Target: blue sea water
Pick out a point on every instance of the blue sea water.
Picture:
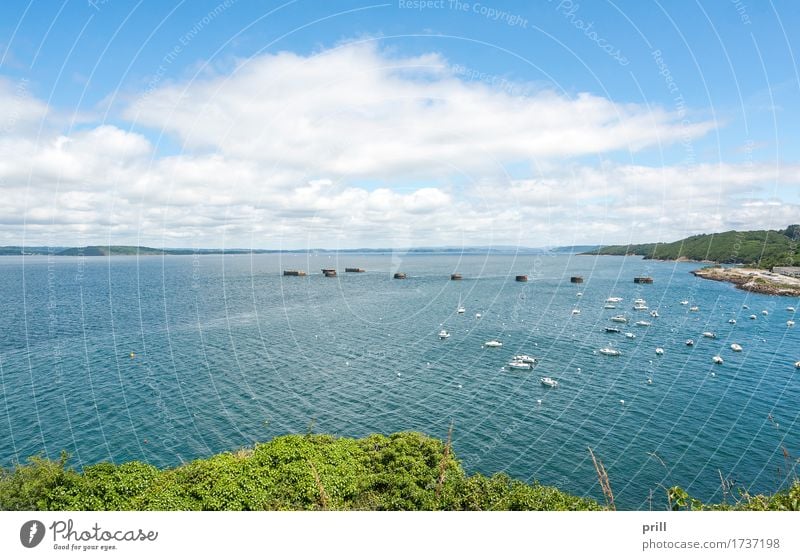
(227, 351)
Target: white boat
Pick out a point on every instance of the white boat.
(732, 321)
(797, 365)
(640, 307)
(630, 335)
(579, 294)
(461, 309)
(654, 313)
(709, 334)
(576, 311)
(609, 306)
(514, 364)
(694, 308)
(614, 300)
(717, 359)
(639, 301)
(642, 323)
(690, 342)
(752, 316)
(745, 307)
(525, 359)
(443, 334)
(736, 348)
(765, 312)
(493, 344)
(789, 323)
(477, 315)
(685, 302)
(549, 382)
(609, 352)
(619, 319)
(790, 309)
(660, 351)
(612, 329)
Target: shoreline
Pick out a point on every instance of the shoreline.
(753, 280)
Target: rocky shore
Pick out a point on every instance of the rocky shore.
(753, 280)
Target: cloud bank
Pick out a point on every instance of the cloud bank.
(352, 147)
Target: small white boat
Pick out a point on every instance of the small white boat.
(642, 323)
(752, 316)
(765, 312)
(460, 309)
(619, 319)
(660, 351)
(630, 335)
(797, 365)
(514, 364)
(443, 334)
(717, 359)
(639, 300)
(732, 321)
(745, 307)
(549, 382)
(609, 352)
(694, 308)
(685, 302)
(790, 309)
(690, 342)
(654, 313)
(736, 348)
(612, 329)
(640, 307)
(614, 300)
(493, 344)
(477, 315)
(609, 306)
(579, 294)
(789, 323)
(709, 334)
(524, 359)
(576, 311)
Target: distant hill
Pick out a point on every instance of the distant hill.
(762, 248)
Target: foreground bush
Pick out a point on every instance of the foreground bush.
(403, 471)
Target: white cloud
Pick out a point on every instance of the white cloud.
(274, 153)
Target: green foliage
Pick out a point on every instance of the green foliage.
(764, 248)
(403, 471)
(787, 500)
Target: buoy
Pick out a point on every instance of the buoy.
(459, 386)
(621, 401)
(650, 380)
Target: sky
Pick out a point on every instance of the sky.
(347, 124)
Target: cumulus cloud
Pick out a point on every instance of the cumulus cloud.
(276, 152)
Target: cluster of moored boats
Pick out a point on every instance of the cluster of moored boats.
(525, 362)
(640, 304)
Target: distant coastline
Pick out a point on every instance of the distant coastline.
(140, 251)
(761, 249)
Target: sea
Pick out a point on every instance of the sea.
(169, 359)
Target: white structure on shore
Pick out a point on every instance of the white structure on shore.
(787, 270)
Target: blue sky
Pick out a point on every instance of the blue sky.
(704, 96)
